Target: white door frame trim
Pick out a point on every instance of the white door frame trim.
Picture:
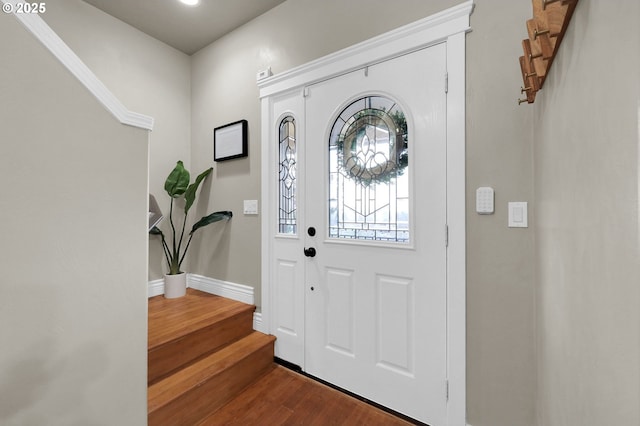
(448, 26)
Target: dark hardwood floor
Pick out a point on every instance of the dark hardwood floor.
(201, 357)
(283, 397)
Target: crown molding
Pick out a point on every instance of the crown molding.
(425, 32)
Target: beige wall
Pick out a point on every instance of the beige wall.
(147, 76)
(501, 377)
(501, 356)
(553, 328)
(74, 252)
(586, 139)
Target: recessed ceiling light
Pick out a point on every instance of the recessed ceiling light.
(190, 2)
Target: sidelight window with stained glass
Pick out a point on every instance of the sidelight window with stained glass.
(368, 172)
(287, 158)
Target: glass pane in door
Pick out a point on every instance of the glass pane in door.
(287, 158)
(368, 172)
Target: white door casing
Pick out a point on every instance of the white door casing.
(283, 279)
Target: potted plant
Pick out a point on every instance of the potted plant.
(177, 186)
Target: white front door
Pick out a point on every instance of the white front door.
(378, 306)
(375, 269)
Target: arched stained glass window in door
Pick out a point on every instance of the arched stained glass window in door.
(287, 158)
(368, 169)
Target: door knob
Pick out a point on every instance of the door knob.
(311, 231)
(310, 252)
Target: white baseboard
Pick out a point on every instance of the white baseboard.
(239, 292)
(156, 288)
(257, 323)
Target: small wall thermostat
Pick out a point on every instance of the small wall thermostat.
(484, 200)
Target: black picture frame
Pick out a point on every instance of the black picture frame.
(230, 141)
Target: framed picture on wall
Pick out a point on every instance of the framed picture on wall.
(230, 141)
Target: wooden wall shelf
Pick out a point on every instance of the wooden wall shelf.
(546, 29)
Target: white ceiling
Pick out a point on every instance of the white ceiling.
(187, 28)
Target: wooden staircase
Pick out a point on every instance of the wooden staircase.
(202, 353)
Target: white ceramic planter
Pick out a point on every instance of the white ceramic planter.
(175, 285)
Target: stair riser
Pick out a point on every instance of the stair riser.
(199, 402)
(176, 354)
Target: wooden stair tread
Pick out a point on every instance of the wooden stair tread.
(171, 319)
(163, 392)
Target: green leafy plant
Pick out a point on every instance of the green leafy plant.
(177, 186)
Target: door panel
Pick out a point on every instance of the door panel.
(375, 309)
(394, 324)
(286, 293)
(339, 311)
(287, 271)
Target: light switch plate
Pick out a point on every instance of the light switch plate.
(484, 200)
(250, 206)
(518, 214)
